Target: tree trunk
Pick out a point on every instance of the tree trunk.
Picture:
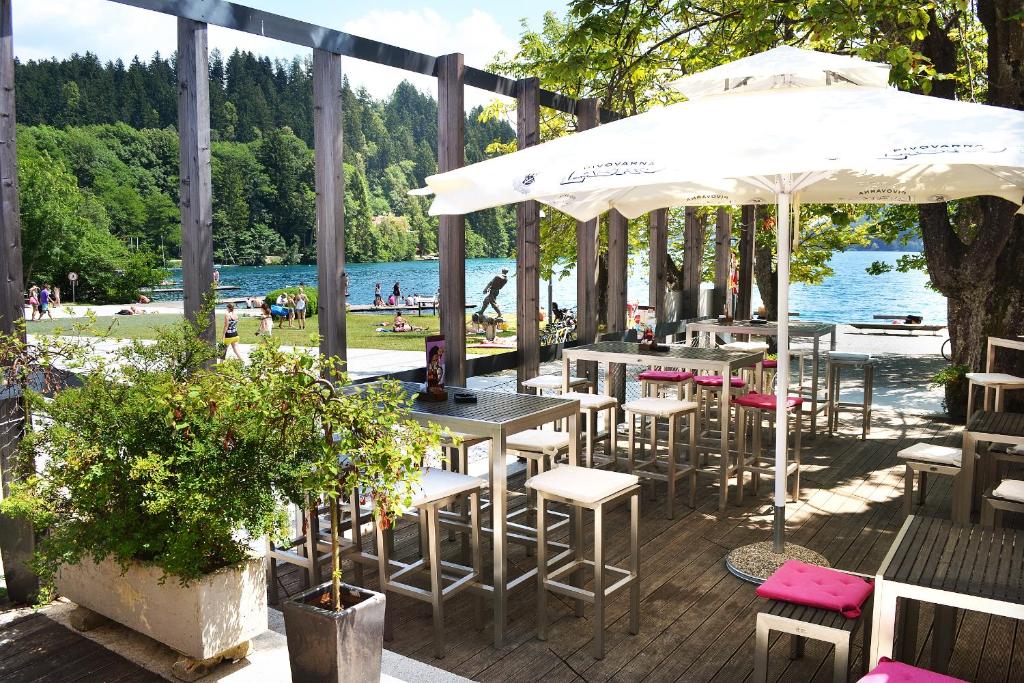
(982, 272)
(767, 277)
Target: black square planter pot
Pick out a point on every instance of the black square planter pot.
(335, 646)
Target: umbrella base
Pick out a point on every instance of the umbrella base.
(757, 561)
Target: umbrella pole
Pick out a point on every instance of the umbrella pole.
(757, 561)
(782, 373)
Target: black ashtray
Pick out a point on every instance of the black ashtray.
(654, 347)
(464, 398)
(757, 321)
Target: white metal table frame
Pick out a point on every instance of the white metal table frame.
(717, 361)
(539, 410)
(803, 330)
(887, 592)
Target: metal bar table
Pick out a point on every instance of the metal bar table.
(954, 566)
(497, 415)
(987, 426)
(681, 358)
(801, 330)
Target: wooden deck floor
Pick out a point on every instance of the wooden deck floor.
(697, 620)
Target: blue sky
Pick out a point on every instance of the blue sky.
(49, 28)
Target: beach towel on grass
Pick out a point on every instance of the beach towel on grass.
(813, 586)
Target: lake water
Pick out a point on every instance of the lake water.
(850, 295)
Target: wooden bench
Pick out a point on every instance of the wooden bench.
(892, 327)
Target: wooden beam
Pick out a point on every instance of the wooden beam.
(693, 255)
(196, 193)
(618, 259)
(587, 245)
(17, 538)
(527, 242)
(451, 241)
(748, 230)
(330, 203)
(657, 256)
(720, 301)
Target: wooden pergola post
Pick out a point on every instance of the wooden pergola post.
(451, 239)
(693, 254)
(17, 537)
(196, 191)
(746, 261)
(330, 203)
(587, 246)
(723, 257)
(618, 252)
(657, 255)
(527, 242)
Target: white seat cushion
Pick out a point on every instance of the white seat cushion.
(1010, 489)
(581, 483)
(553, 382)
(929, 452)
(591, 401)
(538, 441)
(752, 347)
(659, 407)
(847, 357)
(994, 378)
(439, 484)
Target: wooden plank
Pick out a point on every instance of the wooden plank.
(618, 261)
(657, 256)
(587, 246)
(693, 255)
(196, 189)
(721, 301)
(748, 231)
(451, 240)
(527, 242)
(330, 203)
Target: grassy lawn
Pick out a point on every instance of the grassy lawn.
(362, 330)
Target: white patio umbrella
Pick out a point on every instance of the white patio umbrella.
(784, 125)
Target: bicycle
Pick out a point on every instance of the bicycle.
(947, 349)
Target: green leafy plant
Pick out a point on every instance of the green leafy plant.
(312, 298)
(164, 457)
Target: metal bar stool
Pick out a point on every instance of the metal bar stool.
(590, 406)
(925, 459)
(671, 410)
(833, 369)
(598, 490)
(540, 448)
(436, 489)
(761, 407)
(457, 446)
(654, 382)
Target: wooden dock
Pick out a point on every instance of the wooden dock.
(697, 620)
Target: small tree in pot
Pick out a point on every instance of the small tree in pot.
(363, 443)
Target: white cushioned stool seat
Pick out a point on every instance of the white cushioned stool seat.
(659, 407)
(591, 401)
(538, 441)
(553, 382)
(752, 347)
(994, 378)
(1010, 489)
(439, 484)
(848, 357)
(582, 484)
(929, 452)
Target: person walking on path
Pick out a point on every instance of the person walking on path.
(44, 302)
(266, 321)
(492, 290)
(56, 296)
(300, 307)
(231, 331)
(290, 307)
(33, 301)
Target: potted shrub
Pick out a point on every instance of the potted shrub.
(363, 442)
(158, 477)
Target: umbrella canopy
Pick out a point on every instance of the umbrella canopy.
(784, 125)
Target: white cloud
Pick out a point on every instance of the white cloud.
(48, 28)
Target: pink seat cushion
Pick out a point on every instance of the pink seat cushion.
(765, 401)
(769, 363)
(665, 375)
(889, 671)
(716, 381)
(812, 586)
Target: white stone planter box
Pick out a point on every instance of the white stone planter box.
(201, 620)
